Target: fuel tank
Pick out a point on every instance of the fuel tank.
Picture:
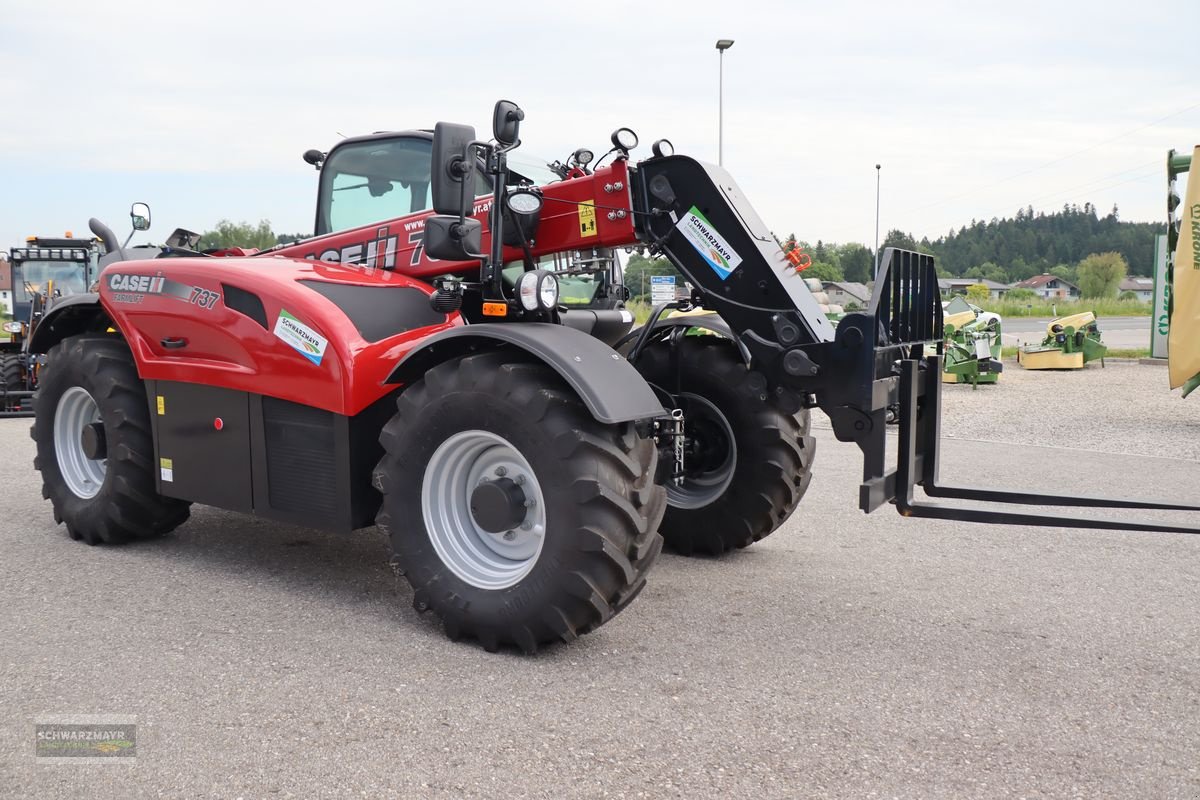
(320, 334)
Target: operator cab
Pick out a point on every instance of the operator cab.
(47, 268)
(369, 179)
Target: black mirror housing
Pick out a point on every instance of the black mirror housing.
(452, 164)
(450, 240)
(506, 122)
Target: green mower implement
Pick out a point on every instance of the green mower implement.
(973, 346)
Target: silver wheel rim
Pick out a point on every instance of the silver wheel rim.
(700, 490)
(483, 559)
(76, 410)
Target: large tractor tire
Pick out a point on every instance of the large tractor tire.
(10, 381)
(747, 462)
(516, 517)
(94, 444)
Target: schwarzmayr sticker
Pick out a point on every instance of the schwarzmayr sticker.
(708, 243)
(300, 337)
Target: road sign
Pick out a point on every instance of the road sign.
(662, 288)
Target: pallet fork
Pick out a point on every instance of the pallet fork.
(906, 289)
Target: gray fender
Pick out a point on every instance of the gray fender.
(68, 316)
(709, 322)
(609, 386)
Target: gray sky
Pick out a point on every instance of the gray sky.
(973, 109)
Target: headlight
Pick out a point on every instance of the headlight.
(663, 147)
(548, 291)
(13, 327)
(524, 201)
(537, 290)
(624, 139)
(583, 156)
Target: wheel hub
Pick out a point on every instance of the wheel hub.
(92, 440)
(498, 506)
(80, 445)
(711, 454)
(483, 509)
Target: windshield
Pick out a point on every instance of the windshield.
(529, 168)
(383, 178)
(69, 277)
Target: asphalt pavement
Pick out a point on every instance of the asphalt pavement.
(845, 656)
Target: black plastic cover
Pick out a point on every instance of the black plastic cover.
(609, 386)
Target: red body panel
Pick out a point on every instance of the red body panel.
(397, 243)
(228, 349)
(182, 298)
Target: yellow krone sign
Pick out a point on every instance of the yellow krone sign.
(1183, 341)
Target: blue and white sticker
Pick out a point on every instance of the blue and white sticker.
(303, 339)
(711, 246)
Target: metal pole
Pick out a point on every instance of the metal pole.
(877, 166)
(722, 46)
(721, 109)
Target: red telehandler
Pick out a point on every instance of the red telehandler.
(450, 359)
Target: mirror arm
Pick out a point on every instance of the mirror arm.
(492, 276)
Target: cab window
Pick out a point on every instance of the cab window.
(376, 180)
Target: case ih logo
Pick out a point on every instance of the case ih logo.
(146, 284)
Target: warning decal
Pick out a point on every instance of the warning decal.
(587, 218)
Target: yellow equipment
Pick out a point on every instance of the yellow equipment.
(1070, 342)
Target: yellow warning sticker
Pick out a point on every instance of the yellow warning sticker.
(166, 468)
(587, 218)
(162, 406)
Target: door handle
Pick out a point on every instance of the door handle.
(173, 342)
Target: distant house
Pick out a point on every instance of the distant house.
(950, 287)
(6, 295)
(1050, 287)
(843, 293)
(1142, 287)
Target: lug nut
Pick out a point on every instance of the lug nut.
(501, 471)
(519, 480)
(530, 503)
(510, 535)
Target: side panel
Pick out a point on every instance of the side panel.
(202, 444)
(270, 457)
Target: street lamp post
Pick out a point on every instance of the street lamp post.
(877, 166)
(722, 46)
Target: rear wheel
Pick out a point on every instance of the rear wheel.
(748, 462)
(94, 445)
(10, 381)
(516, 517)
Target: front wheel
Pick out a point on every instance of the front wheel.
(516, 517)
(747, 461)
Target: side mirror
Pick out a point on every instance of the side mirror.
(453, 165)
(506, 122)
(314, 158)
(450, 240)
(140, 214)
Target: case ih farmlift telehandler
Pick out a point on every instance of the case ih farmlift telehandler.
(420, 372)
